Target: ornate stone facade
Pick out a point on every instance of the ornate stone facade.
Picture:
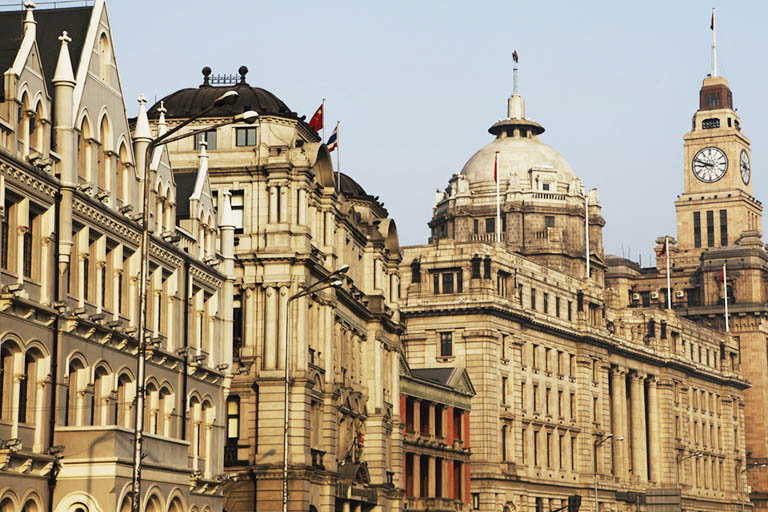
(70, 182)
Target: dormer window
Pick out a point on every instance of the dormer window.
(708, 124)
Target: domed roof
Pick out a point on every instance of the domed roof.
(519, 150)
(517, 155)
(188, 102)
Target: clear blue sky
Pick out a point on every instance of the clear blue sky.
(417, 84)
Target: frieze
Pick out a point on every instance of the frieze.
(101, 218)
(208, 278)
(26, 178)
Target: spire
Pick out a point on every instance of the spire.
(161, 126)
(29, 19)
(63, 73)
(142, 131)
(714, 43)
(227, 218)
(202, 171)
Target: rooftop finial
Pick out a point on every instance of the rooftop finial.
(161, 126)
(515, 58)
(243, 70)
(64, 38)
(714, 43)
(206, 74)
(141, 130)
(63, 72)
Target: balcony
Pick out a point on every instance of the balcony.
(117, 442)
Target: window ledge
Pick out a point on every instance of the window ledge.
(445, 359)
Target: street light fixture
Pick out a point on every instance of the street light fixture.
(228, 98)
(681, 458)
(328, 281)
(744, 487)
(602, 438)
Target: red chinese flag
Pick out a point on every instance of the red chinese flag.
(663, 250)
(496, 168)
(712, 23)
(722, 274)
(316, 123)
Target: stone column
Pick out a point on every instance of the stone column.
(301, 334)
(270, 328)
(618, 384)
(417, 416)
(272, 213)
(639, 462)
(431, 480)
(654, 439)
(329, 228)
(302, 214)
(282, 328)
(416, 475)
(283, 214)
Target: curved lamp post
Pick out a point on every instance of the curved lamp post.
(602, 438)
(681, 458)
(744, 487)
(329, 281)
(228, 98)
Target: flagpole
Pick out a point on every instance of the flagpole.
(338, 153)
(498, 200)
(714, 44)
(586, 229)
(669, 287)
(725, 294)
(323, 118)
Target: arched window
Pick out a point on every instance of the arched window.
(6, 505)
(84, 155)
(152, 420)
(153, 505)
(105, 59)
(25, 125)
(123, 188)
(176, 506)
(166, 408)
(28, 386)
(104, 151)
(7, 352)
(30, 506)
(101, 393)
(194, 430)
(124, 404)
(206, 438)
(73, 401)
(38, 129)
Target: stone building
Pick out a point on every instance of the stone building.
(719, 222)
(70, 182)
(576, 393)
(297, 222)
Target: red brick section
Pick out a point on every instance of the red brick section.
(403, 413)
(466, 430)
(449, 434)
(721, 90)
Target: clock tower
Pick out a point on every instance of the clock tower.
(717, 204)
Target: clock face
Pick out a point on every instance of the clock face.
(709, 164)
(744, 166)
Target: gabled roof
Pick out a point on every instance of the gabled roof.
(50, 24)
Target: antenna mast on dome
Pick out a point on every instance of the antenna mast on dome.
(515, 58)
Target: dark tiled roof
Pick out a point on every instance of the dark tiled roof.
(185, 185)
(50, 24)
(350, 187)
(188, 102)
(439, 375)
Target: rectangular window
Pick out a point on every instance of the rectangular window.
(710, 228)
(238, 204)
(535, 398)
(557, 307)
(237, 323)
(570, 304)
(524, 440)
(86, 275)
(697, 229)
(504, 383)
(4, 231)
(436, 283)
(490, 225)
(475, 226)
(28, 254)
(546, 302)
(448, 282)
(533, 298)
(209, 137)
(459, 281)
(549, 221)
(723, 227)
(245, 136)
(446, 344)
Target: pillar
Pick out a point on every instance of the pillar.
(431, 480)
(416, 475)
(282, 327)
(654, 439)
(283, 214)
(301, 333)
(618, 385)
(639, 462)
(270, 328)
(272, 214)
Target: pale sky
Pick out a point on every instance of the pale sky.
(417, 84)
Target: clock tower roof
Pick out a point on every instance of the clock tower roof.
(715, 94)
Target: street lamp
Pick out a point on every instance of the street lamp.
(681, 458)
(743, 489)
(602, 438)
(228, 98)
(328, 281)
